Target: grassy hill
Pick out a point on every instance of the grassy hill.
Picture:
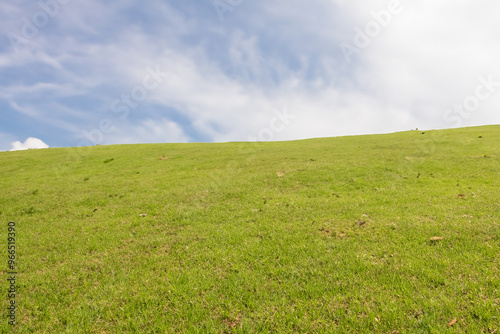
(322, 235)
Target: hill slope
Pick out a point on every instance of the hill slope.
(321, 235)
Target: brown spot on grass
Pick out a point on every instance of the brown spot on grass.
(326, 231)
(342, 235)
(435, 240)
(360, 222)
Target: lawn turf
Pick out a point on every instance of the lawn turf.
(325, 235)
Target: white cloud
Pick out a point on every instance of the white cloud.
(147, 131)
(30, 143)
(431, 57)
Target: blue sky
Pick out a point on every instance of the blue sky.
(76, 73)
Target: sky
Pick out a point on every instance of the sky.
(80, 73)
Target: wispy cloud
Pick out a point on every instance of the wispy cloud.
(147, 131)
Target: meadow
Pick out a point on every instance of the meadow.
(394, 233)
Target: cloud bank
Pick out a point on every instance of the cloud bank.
(30, 143)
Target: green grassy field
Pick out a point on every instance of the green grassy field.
(325, 235)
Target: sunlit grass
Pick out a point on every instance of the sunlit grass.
(323, 235)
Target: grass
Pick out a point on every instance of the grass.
(324, 235)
